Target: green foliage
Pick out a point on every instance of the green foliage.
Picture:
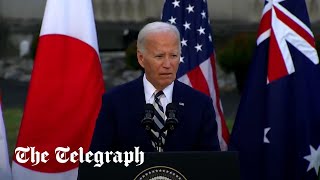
(131, 56)
(4, 33)
(237, 52)
(12, 118)
(229, 124)
(236, 56)
(34, 44)
(7, 48)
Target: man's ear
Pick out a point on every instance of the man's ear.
(140, 58)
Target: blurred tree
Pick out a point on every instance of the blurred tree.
(236, 56)
(4, 34)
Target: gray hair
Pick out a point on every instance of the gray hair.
(153, 28)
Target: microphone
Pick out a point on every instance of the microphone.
(171, 121)
(147, 121)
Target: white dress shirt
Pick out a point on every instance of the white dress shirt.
(150, 91)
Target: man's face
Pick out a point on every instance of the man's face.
(160, 59)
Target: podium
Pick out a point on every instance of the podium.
(169, 165)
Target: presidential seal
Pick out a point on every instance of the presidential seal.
(160, 173)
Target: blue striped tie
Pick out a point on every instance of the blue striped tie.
(159, 117)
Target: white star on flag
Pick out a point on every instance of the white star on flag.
(314, 159)
(184, 42)
(201, 30)
(176, 3)
(265, 139)
(203, 14)
(198, 47)
(181, 59)
(172, 20)
(190, 8)
(186, 25)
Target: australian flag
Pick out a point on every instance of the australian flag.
(277, 128)
(197, 62)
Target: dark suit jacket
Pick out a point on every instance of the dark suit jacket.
(118, 126)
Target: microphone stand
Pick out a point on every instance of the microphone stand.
(160, 144)
(159, 140)
(170, 124)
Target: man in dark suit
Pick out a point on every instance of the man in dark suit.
(118, 127)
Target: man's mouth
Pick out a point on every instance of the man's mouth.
(165, 74)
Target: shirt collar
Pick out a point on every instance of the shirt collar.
(149, 90)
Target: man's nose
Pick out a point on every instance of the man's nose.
(166, 62)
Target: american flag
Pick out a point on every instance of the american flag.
(197, 63)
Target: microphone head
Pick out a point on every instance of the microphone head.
(147, 121)
(149, 110)
(171, 124)
(171, 121)
(148, 106)
(171, 108)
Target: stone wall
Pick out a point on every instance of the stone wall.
(115, 71)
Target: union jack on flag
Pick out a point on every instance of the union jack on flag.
(197, 63)
(277, 126)
(283, 27)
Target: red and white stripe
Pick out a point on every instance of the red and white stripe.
(65, 90)
(204, 79)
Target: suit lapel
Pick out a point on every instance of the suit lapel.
(138, 107)
(138, 96)
(177, 98)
